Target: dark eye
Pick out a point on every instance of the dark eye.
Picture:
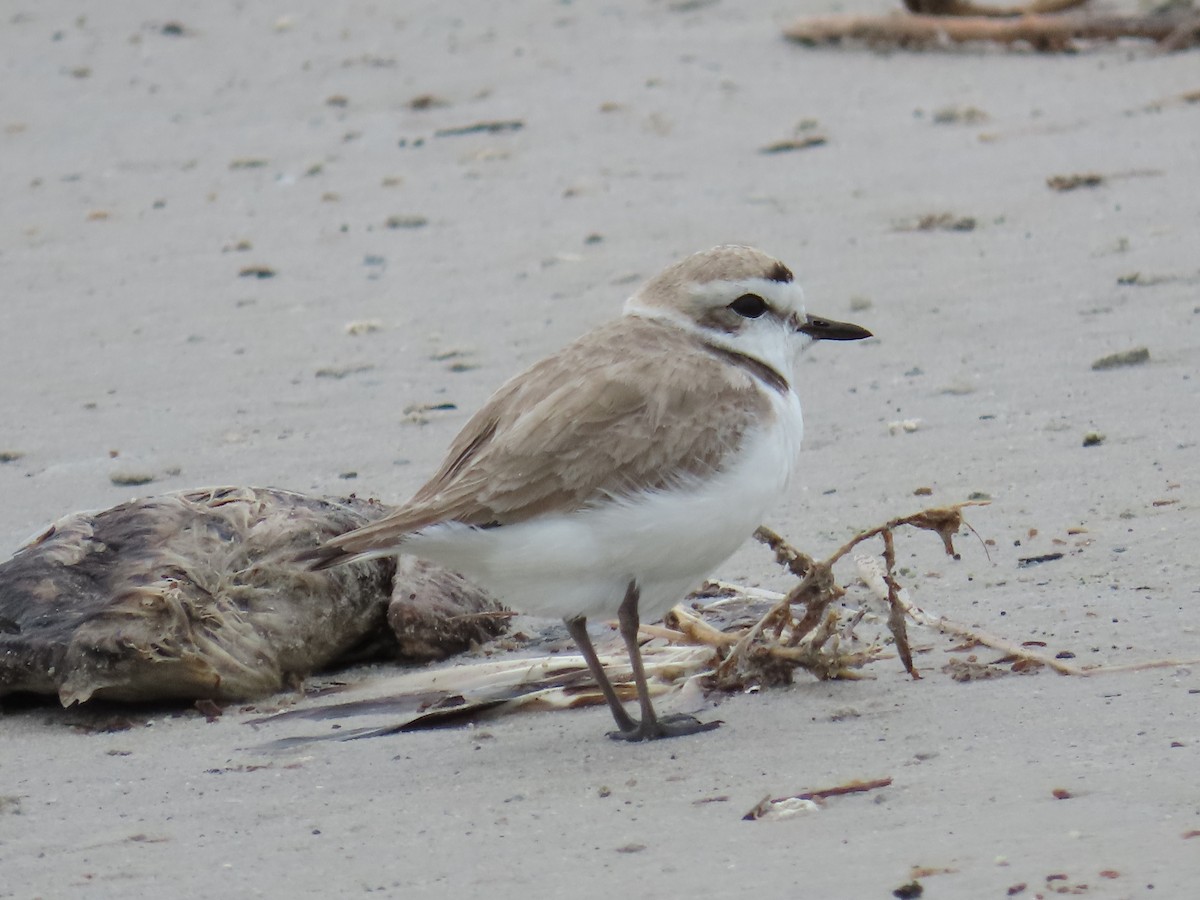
(749, 306)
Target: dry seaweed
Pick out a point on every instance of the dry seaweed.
(811, 639)
(1135, 357)
(1042, 26)
(1063, 183)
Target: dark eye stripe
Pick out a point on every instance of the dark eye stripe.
(749, 306)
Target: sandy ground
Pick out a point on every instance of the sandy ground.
(145, 169)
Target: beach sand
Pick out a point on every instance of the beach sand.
(252, 244)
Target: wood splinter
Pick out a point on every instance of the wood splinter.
(768, 804)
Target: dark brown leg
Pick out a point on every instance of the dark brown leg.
(577, 628)
(651, 727)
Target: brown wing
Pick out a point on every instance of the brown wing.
(633, 406)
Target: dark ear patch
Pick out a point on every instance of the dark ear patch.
(780, 272)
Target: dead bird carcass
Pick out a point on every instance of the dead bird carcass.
(197, 594)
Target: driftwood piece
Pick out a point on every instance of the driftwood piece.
(198, 594)
(967, 8)
(1171, 30)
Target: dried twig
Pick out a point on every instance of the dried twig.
(795, 561)
(684, 625)
(1139, 666)
(875, 578)
(780, 807)
(779, 641)
(895, 608)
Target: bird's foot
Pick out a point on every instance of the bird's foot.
(666, 727)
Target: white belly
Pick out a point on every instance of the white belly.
(667, 542)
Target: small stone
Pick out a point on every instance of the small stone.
(427, 101)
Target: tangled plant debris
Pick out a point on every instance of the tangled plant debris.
(812, 640)
(1048, 26)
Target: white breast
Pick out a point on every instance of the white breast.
(667, 541)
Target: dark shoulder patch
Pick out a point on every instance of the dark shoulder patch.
(756, 367)
(780, 272)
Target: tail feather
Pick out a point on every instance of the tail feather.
(324, 556)
(381, 538)
(367, 542)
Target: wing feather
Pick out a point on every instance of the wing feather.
(634, 406)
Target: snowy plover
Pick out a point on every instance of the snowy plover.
(615, 475)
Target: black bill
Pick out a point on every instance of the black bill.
(821, 329)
